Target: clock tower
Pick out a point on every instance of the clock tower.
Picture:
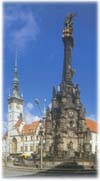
(15, 104)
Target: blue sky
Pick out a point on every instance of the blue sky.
(35, 29)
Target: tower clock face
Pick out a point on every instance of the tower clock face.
(18, 106)
(71, 116)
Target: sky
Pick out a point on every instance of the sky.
(35, 30)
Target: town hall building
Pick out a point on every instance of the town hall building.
(20, 137)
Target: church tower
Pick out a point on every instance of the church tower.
(15, 103)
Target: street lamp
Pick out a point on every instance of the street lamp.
(41, 132)
(41, 142)
(38, 104)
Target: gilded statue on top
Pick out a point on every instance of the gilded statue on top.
(68, 20)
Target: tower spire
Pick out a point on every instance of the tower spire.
(44, 111)
(15, 78)
(16, 58)
(9, 92)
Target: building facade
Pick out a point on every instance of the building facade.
(93, 128)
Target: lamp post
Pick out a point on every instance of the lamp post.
(38, 104)
(41, 143)
(41, 132)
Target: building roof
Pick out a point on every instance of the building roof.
(91, 125)
(30, 128)
(18, 123)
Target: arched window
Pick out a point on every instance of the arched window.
(14, 145)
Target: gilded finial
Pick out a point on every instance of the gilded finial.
(68, 25)
(68, 20)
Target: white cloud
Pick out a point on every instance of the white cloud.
(28, 115)
(50, 106)
(93, 117)
(29, 106)
(20, 27)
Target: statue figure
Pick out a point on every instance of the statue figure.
(77, 90)
(68, 20)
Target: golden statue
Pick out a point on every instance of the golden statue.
(68, 20)
(68, 29)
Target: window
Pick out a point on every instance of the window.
(31, 131)
(37, 137)
(21, 138)
(26, 148)
(31, 137)
(31, 148)
(96, 149)
(21, 148)
(26, 138)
